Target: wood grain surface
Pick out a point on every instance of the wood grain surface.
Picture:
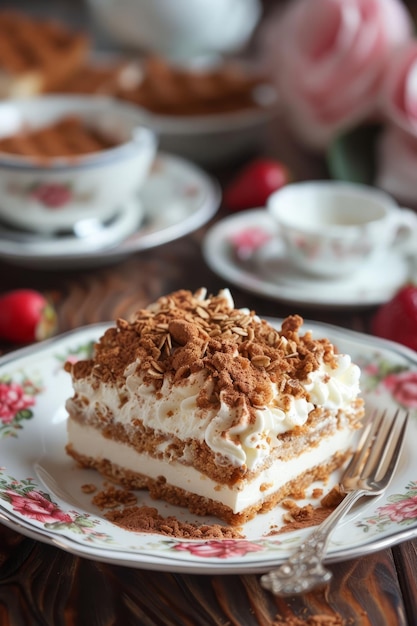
(42, 585)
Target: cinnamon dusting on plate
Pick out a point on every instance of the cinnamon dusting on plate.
(297, 517)
(147, 519)
(142, 518)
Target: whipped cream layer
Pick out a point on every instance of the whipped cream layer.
(235, 434)
(243, 494)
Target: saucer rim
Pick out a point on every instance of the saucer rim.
(220, 261)
(126, 220)
(139, 239)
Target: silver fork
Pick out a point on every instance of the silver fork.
(368, 473)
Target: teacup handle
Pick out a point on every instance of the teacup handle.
(145, 136)
(404, 224)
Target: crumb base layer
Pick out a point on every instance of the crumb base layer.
(184, 486)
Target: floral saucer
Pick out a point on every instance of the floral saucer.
(177, 198)
(244, 249)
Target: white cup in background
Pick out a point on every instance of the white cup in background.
(57, 194)
(179, 29)
(331, 229)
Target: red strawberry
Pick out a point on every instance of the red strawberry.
(397, 319)
(26, 316)
(254, 184)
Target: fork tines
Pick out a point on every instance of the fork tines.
(378, 450)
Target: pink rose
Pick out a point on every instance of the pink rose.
(403, 388)
(328, 58)
(12, 400)
(36, 506)
(400, 511)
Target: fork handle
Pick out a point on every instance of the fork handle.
(304, 570)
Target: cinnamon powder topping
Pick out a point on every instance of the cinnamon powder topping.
(297, 517)
(184, 333)
(69, 136)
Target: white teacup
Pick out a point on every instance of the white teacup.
(332, 228)
(179, 29)
(53, 195)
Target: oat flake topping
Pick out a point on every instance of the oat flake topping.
(184, 333)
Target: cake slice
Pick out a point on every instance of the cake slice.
(212, 408)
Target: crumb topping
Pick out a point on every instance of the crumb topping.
(110, 498)
(184, 333)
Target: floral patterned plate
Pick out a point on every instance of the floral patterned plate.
(40, 486)
(177, 198)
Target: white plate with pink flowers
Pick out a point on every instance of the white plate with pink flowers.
(41, 492)
(245, 250)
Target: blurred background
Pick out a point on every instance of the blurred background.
(79, 13)
(200, 32)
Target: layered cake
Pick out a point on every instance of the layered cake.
(211, 407)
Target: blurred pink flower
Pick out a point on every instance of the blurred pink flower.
(403, 387)
(399, 93)
(328, 58)
(247, 241)
(397, 146)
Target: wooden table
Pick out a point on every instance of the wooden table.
(41, 585)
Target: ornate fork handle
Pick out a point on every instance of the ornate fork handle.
(304, 570)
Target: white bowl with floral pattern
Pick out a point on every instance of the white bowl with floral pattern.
(54, 194)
